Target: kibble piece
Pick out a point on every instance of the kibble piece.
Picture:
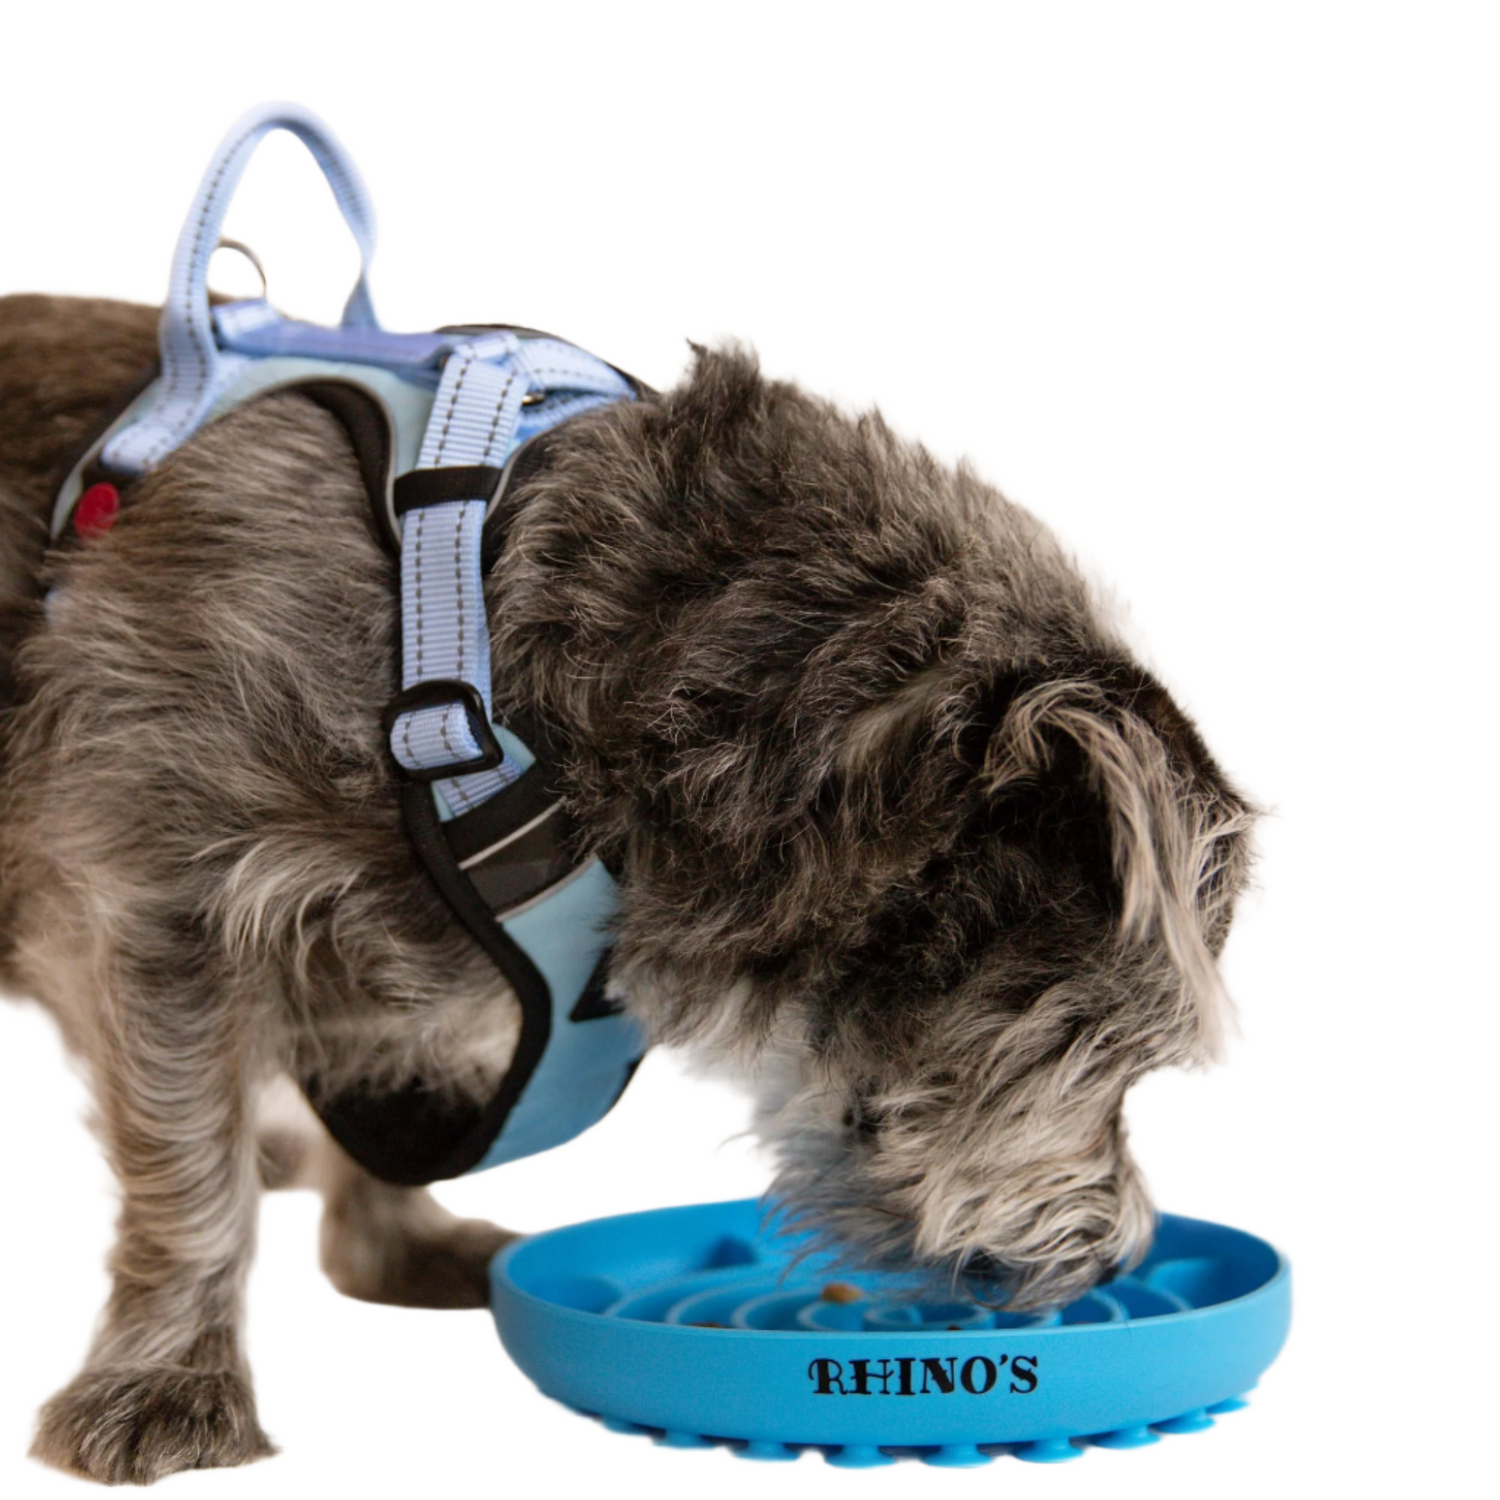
(841, 1291)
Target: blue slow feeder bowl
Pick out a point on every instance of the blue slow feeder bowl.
(699, 1325)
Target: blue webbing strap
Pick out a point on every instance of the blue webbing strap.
(475, 424)
(193, 369)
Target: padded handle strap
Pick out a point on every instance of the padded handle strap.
(194, 371)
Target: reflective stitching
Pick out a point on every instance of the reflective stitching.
(416, 563)
(458, 385)
(489, 441)
(458, 585)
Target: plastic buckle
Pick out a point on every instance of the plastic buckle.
(444, 692)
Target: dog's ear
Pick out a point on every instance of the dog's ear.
(1177, 845)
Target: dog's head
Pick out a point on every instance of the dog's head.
(945, 1086)
(906, 833)
(953, 1095)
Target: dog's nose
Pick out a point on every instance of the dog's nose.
(984, 1274)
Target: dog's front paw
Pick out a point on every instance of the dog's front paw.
(412, 1258)
(137, 1423)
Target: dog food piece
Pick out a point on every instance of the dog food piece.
(708, 1325)
(841, 1291)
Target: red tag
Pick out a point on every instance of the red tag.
(96, 510)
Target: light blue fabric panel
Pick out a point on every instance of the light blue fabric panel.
(586, 1063)
(407, 404)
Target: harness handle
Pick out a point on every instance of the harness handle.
(193, 369)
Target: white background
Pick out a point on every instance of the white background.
(1213, 290)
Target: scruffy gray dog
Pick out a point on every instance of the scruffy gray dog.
(906, 839)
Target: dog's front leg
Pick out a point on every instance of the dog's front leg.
(165, 1386)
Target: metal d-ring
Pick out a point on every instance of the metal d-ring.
(225, 243)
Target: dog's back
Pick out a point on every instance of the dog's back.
(63, 362)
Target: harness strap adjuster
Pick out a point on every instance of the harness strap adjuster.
(444, 692)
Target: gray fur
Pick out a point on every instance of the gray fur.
(909, 843)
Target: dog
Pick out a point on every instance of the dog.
(907, 841)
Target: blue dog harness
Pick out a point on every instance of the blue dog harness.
(440, 423)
